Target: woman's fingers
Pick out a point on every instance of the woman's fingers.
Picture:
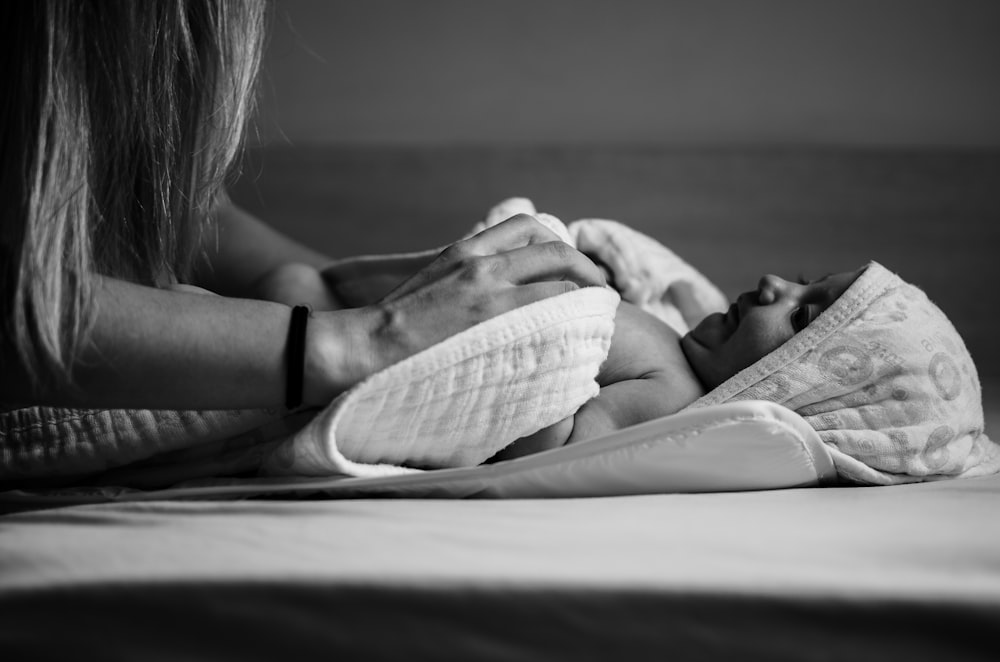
(519, 250)
(517, 231)
(532, 263)
(524, 250)
(550, 261)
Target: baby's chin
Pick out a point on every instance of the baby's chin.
(711, 332)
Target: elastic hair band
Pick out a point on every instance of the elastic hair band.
(295, 356)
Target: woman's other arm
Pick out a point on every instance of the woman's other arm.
(163, 349)
(250, 259)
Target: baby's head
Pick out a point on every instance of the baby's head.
(875, 367)
(759, 322)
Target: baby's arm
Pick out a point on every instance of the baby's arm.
(644, 377)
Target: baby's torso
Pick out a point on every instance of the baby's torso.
(643, 347)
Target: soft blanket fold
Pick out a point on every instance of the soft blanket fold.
(462, 400)
(458, 403)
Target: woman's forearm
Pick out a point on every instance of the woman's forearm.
(161, 349)
(166, 349)
(246, 251)
(253, 260)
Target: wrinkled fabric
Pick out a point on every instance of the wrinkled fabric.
(886, 381)
(58, 443)
(458, 402)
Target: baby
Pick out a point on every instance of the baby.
(864, 357)
(652, 371)
(875, 367)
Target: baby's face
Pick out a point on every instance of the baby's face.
(758, 323)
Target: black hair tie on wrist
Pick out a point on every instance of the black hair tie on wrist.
(295, 356)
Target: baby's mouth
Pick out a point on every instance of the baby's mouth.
(733, 315)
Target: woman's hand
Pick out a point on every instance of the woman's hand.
(504, 267)
(367, 279)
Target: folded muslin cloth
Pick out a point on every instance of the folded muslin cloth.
(462, 400)
(644, 271)
(885, 380)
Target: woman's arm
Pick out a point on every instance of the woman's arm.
(250, 259)
(246, 250)
(162, 349)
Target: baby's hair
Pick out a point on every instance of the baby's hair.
(118, 124)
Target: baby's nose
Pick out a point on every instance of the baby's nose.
(770, 288)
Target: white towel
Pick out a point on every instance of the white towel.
(462, 400)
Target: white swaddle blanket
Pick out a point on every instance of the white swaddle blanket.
(462, 400)
(459, 402)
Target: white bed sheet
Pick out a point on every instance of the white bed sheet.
(823, 573)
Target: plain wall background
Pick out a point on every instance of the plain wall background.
(786, 72)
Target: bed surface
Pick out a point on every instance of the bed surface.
(806, 574)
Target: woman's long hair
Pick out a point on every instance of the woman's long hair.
(118, 124)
